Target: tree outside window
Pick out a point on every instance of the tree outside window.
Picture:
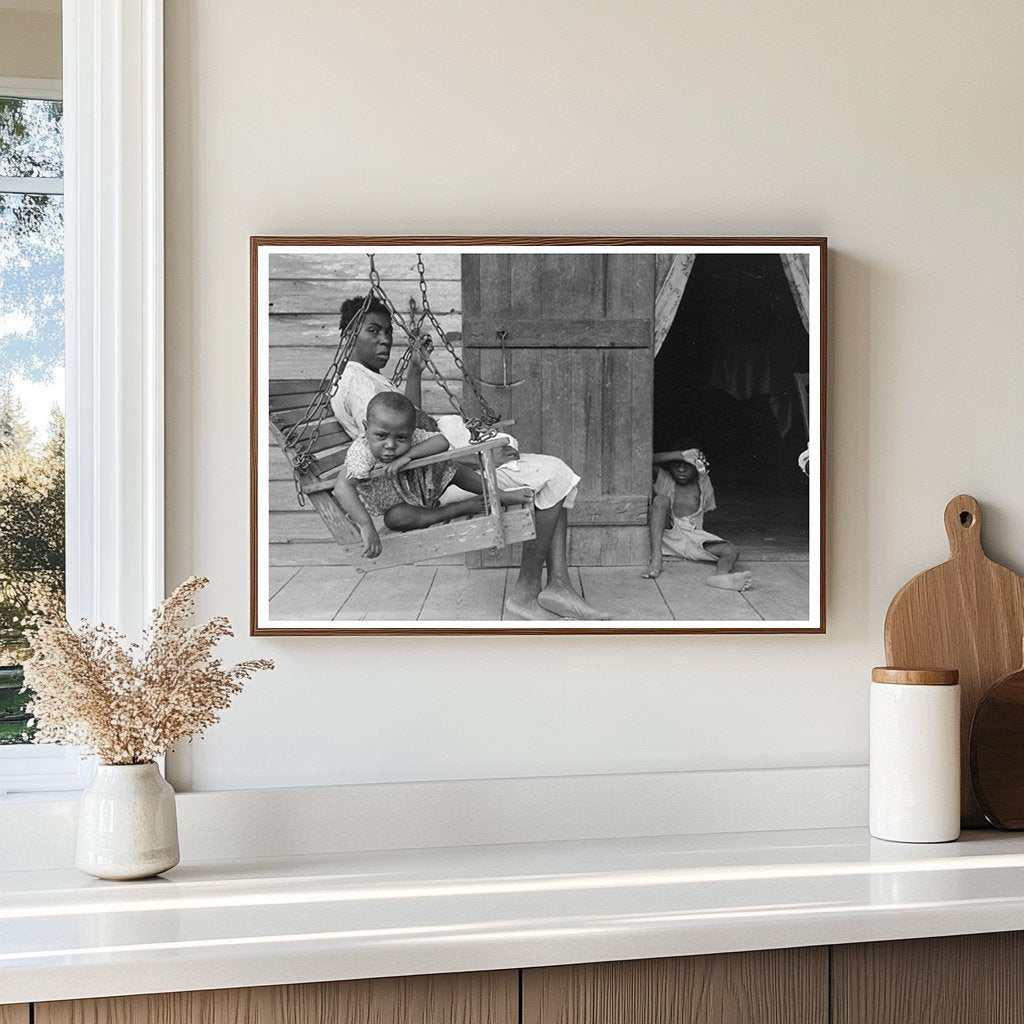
(31, 386)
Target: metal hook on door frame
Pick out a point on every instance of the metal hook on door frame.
(504, 384)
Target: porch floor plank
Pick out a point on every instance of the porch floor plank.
(462, 595)
(453, 593)
(279, 576)
(689, 598)
(621, 591)
(778, 590)
(397, 592)
(314, 592)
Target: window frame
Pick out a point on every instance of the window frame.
(112, 90)
(32, 89)
(38, 767)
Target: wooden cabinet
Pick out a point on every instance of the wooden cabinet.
(961, 979)
(776, 986)
(967, 979)
(481, 998)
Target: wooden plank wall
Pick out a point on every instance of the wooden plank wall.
(580, 335)
(306, 293)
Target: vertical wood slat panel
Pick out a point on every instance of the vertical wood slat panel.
(556, 384)
(593, 421)
(641, 452)
(472, 359)
(495, 285)
(479, 998)
(608, 545)
(591, 407)
(14, 1014)
(617, 427)
(526, 400)
(642, 380)
(959, 979)
(558, 277)
(644, 290)
(470, 265)
(779, 986)
(527, 283)
(589, 287)
(619, 286)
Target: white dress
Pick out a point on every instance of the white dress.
(550, 479)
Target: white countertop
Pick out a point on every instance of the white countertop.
(224, 924)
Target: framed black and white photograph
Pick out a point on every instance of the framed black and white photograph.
(537, 435)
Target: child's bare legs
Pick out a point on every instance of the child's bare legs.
(469, 480)
(724, 577)
(408, 517)
(558, 599)
(657, 517)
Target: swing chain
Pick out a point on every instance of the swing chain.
(487, 413)
(305, 432)
(418, 339)
(478, 427)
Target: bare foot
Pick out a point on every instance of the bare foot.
(520, 607)
(568, 604)
(653, 571)
(729, 581)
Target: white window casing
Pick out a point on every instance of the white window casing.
(113, 169)
(113, 185)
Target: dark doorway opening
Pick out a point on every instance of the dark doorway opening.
(724, 381)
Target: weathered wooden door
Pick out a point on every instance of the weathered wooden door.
(579, 334)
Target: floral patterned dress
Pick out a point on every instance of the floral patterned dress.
(421, 487)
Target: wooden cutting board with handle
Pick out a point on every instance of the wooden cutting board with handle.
(967, 614)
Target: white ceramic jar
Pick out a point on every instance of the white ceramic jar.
(915, 755)
(127, 823)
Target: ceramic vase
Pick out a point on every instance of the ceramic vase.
(127, 825)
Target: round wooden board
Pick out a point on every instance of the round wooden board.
(997, 752)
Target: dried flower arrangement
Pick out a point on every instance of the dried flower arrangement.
(130, 703)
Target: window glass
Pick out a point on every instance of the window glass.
(31, 138)
(31, 388)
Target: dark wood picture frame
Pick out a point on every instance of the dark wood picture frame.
(489, 362)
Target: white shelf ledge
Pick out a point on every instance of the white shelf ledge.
(386, 913)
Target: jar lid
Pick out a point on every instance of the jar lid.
(916, 676)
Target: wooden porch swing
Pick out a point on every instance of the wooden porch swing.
(315, 443)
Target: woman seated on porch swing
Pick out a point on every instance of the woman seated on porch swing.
(553, 483)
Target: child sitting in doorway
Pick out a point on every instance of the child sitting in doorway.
(407, 500)
(682, 495)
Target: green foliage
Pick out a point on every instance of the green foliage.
(31, 541)
(14, 727)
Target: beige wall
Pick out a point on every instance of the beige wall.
(29, 44)
(895, 129)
